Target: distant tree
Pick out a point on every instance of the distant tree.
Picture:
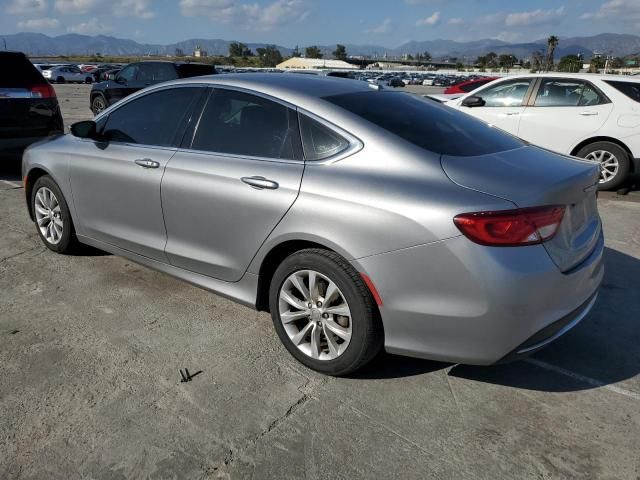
(537, 61)
(426, 56)
(237, 49)
(569, 63)
(596, 64)
(179, 52)
(490, 60)
(460, 67)
(296, 52)
(312, 52)
(507, 61)
(270, 56)
(552, 44)
(409, 56)
(340, 52)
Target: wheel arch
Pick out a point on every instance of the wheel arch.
(30, 179)
(591, 140)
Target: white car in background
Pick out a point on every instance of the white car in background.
(67, 74)
(595, 117)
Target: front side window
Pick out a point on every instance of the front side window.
(506, 94)
(128, 73)
(320, 142)
(153, 119)
(238, 123)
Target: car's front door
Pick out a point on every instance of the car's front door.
(123, 85)
(237, 176)
(116, 181)
(563, 113)
(504, 103)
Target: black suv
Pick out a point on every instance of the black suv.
(137, 76)
(29, 109)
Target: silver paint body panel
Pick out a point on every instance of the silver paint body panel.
(386, 205)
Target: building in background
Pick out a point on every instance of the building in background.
(299, 63)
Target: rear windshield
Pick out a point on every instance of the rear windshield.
(630, 89)
(195, 70)
(17, 71)
(427, 124)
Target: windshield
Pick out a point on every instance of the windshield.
(427, 124)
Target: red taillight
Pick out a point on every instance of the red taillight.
(511, 228)
(42, 91)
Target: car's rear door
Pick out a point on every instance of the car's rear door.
(234, 180)
(116, 182)
(504, 103)
(563, 112)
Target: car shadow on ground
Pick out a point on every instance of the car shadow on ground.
(10, 168)
(601, 350)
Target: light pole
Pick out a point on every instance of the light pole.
(5, 43)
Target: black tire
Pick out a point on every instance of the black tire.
(68, 242)
(367, 336)
(98, 104)
(88, 80)
(624, 163)
(60, 80)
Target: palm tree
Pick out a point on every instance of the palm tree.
(552, 43)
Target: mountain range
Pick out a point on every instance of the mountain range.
(74, 44)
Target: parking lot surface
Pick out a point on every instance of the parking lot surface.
(91, 346)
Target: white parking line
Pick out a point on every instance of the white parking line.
(576, 376)
(13, 184)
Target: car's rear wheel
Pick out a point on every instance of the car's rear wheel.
(613, 160)
(88, 80)
(324, 313)
(52, 216)
(60, 80)
(98, 104)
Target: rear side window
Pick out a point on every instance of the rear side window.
(156, 72)
(238, 123)
(153, 119)
(567, 93)
(186, 70)
(630, 89)
(320, 142)
(17, 71)
(427, 124)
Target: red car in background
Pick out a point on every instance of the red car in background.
(469, 85)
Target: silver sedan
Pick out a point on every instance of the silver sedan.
(360, 218)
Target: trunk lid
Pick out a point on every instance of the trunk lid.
(531, 177)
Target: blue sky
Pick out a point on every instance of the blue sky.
(307, 22)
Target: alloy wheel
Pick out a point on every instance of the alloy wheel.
(315, 315)
(98, 105)
(48, 215)
(609, 164)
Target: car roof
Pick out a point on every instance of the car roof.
(292, 88)
(581, 76)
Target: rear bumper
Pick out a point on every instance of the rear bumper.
(15, 146)
(457, 301)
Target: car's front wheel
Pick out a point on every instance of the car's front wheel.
(324, 313)
(52, 216)
(613, 161)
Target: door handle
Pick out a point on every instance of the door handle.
(588, 114)
(511, 114)
(260, 183)
(147, 163)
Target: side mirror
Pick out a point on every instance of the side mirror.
(84, 129)
(473, 101)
